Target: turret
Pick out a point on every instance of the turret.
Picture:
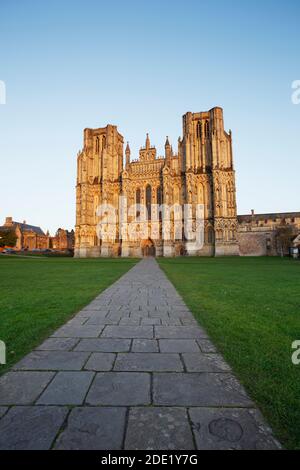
(168, 150)
(147, 145)
(127, 153)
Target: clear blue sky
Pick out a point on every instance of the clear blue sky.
(141, 65)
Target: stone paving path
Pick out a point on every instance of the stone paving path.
(132, 370)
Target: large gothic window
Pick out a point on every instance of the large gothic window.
(159, 200)
(138, 202)
(148, 200)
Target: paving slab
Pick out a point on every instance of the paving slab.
(179, 332)
(58, 344)
(148, 362)
(79, 331)
(31, 427)
(145, 346)
(158, 429)
(67, 388)
(23, 388)
(199, 362)
(100, 361)
(3, 410)
(93, 429)
(104, 345)
(120, 389)
(151, 321)
(178, 345)
(53, 360)
(102, 321)
(112, 331)
(130, 321)
(199, 389)
(231, 429)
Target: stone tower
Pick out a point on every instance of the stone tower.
(99, 166)
(207, 165)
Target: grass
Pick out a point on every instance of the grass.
(250, 307)
(37, 295)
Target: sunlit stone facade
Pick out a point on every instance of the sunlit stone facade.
(200, 172)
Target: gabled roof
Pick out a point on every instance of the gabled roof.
(29, 228)
(23, 228)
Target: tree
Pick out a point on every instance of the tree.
(284, 236)
(7, 238)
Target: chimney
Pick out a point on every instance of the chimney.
(252, 212)
(24, 222)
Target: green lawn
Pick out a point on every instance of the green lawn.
(37, 295)
(251, 309)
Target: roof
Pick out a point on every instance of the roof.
(23, 227)
(275, 215)
(32, 228)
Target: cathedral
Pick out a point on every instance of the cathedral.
(200, 173)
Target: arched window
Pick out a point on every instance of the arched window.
(97, 144)
(104, 142)
(206, 129)
(159, 200)
(137, 201)
(148, 200)
(210, 235)
(199, 130)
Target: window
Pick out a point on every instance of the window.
(137, 201)
(148, 200)
(199, 130)
(206, 129)
(159, 200)
(210, 235)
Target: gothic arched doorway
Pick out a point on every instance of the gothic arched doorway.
(148, 248)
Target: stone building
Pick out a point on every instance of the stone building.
(259, 234)
(200, 172)
(29, 237)
(32, 237)
(63, 240)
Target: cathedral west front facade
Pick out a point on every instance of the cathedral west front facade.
(200, 174)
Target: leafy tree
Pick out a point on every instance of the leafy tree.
(7, 238)
(284, 236)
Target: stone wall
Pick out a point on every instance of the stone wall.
(256, 243)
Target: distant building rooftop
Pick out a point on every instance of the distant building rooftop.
(275, 215)
(24, 227)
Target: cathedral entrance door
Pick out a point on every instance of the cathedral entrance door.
(148, 248)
